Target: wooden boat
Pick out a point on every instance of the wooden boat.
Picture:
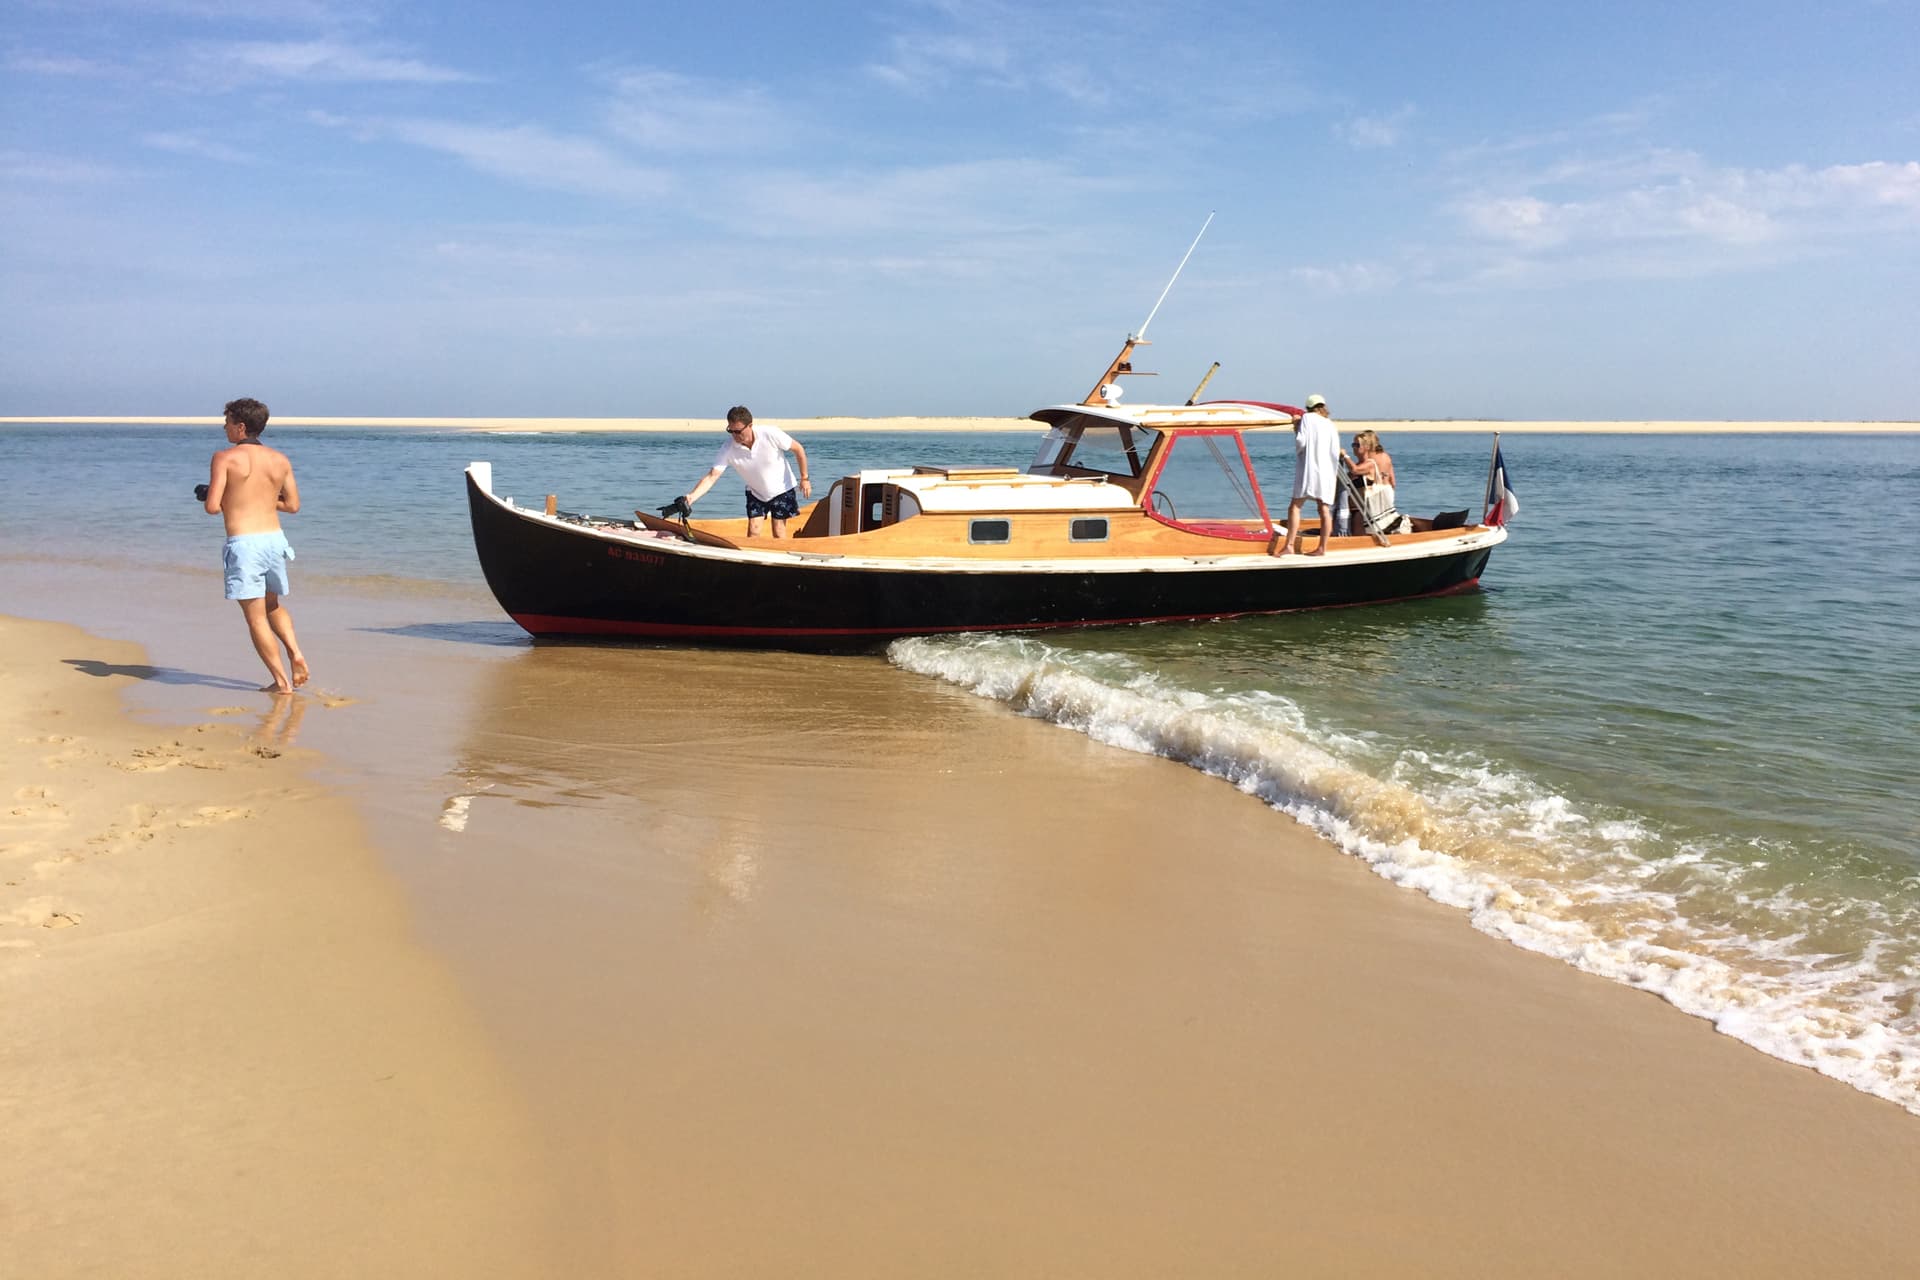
(1097, 530)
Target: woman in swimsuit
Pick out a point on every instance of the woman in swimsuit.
(1373, 470)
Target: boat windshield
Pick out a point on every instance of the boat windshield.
(1084, 444)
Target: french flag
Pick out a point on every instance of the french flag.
(1502, 502)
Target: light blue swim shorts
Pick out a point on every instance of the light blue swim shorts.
(257, 565)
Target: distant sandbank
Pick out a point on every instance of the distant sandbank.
(907, 424)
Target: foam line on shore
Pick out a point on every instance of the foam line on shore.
(1606, 894)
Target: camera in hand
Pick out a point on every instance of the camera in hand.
(200, 492)
(678, 507)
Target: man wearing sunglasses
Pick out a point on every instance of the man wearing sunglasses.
(759, 454)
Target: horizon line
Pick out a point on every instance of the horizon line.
(951, 422)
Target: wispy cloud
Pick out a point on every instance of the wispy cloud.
(1346, 277)
(326, 60)
(37, 167)
(1012, 49)
(311, 13)
(1727, 206)
(666, 111)
(921, 200)
(1374, 131)
(197, 144)
(1668, 215)
(52, 64)
(524, 154)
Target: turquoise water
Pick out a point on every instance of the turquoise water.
(1672, 740)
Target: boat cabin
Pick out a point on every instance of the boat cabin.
(1093, 460)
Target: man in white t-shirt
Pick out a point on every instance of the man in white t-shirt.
(759, 454)
(1316, 472)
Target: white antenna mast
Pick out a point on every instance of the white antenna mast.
(1176, 275)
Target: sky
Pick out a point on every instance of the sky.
(1682, 210)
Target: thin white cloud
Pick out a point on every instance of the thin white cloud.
(36, 167)
(1729, 207)
(666, 111)
(1678, 217)
(312, 13)
(1016, 49)
(52, 64)
(196, 144)
(327, 60)
(927, 59)
(969, 197)
(1345, 278)
(1374, 131)
(530, 156)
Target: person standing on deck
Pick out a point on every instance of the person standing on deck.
(248, 486)
(758, 453)
(1316, 472)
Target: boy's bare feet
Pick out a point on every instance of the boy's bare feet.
(276, 688)
(300, 673)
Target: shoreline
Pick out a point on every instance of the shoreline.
(646, 426)
(807, 968)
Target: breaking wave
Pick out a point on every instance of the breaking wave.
(1820, 969)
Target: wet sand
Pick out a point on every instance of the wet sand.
(221, 1053)
(806, 965)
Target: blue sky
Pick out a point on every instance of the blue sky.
(1677, 210)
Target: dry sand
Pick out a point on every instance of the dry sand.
(808, 966)
(220, 1052)
(898, 425)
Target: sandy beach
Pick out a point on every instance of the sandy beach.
(905, 425)
(565, 961)
(223, 1053)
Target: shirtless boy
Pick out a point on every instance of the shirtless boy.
(250, 485)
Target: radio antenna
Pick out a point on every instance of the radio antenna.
(1176, 275)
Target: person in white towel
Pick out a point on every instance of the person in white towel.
(1316, 473)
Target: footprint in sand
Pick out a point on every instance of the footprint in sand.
(42, 912)
(333, 699)
(61, 758)
(150, 759)
(208, 815)
(34, 802)
(228, 711)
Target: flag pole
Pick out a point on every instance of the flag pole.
(1487, 493)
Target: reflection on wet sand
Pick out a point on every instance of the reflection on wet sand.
(715, 761)
(279, 725)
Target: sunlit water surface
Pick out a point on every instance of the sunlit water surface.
(1672, 740)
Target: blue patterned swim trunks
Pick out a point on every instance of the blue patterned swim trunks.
(256, 565)
(782, 506)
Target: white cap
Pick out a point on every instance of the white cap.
(1316, 402)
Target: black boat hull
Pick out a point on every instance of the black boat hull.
(561, 579)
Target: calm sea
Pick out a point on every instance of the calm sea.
(1674, 740)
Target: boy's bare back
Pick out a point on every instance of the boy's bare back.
(250, 484)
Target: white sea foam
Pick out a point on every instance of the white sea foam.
(1706, 930)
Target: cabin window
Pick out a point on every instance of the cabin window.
(1088, 530)
(1086, 443)
(990, 531)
